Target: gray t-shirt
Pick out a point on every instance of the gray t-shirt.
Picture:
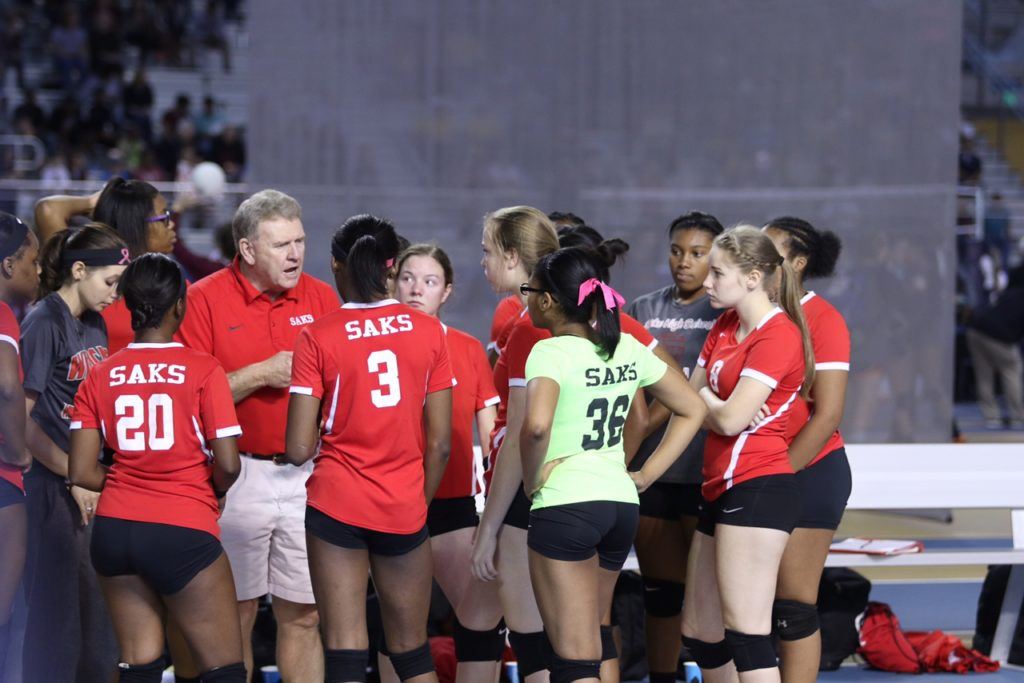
(57, 352)
(680, 329)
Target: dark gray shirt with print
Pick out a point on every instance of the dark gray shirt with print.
(680, 329)
(57, 352)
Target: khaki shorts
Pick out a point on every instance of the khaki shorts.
(263, 531)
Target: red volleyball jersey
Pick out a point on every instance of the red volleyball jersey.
(521, 341)
(158, 406)
(10, 333)
(372, 366)
(831, 341)
(474, 390)
(119, 326)
(507, 310)
(771, 354)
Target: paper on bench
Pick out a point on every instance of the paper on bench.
(876, 546)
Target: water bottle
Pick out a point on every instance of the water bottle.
(512, 671)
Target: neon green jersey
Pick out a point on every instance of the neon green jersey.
(593, 401)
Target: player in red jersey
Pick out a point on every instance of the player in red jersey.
(514, 240)
(816, 451)
(507, 310)
(371, 401)
(424, 282)
(756, 354)
(19, 281)
(167, 413)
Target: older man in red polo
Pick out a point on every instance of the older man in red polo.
(249, 316)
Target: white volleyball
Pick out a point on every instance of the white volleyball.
(208, 179)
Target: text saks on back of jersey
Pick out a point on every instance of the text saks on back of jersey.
(150, 373)
(376, 327)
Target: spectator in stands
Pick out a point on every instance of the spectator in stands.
(106, 49)
(210, 33)
(101, 121)
(132, 146)
(65, 122)
(55, 174)
(144, 29)
(168, 145)
(12, 36)
(993, 339)
(181, 112)
(148, 169)
(229, 152)
(138, 102)
(969, 163)
(997, 230)
(68, 43)
(209, 123)
(30, 110)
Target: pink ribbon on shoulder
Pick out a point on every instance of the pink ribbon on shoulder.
(611, 297)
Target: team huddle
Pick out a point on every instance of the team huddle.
(175, 447)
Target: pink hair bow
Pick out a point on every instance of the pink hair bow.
(611, 297)
(126, 257)
(389, 263)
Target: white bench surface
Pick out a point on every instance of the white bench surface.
(922, 476)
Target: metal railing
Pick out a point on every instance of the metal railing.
(28, 153)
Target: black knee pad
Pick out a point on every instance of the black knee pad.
(343, 666)
(533, 651)
(708, 655)
(186, 679)
(793, 620)
(413, 663)
(608, 649)
(230, 673)
(479, 646)
(141, 673)
(568, 670)
(663, 598)
(662, 677)
(751, 651)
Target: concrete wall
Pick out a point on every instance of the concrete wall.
(630, 113)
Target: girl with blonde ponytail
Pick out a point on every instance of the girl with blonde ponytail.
(754, 364)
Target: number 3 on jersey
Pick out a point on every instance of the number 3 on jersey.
(131, 413)
(607, 426)
(384, 364)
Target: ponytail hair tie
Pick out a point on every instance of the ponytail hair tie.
(612, 298)
(389, 263)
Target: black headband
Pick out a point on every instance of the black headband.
(96, 257)
(14, 241)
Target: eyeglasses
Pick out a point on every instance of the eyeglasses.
(525, 289)
(161, 217)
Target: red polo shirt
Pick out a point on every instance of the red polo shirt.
(239, 326)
